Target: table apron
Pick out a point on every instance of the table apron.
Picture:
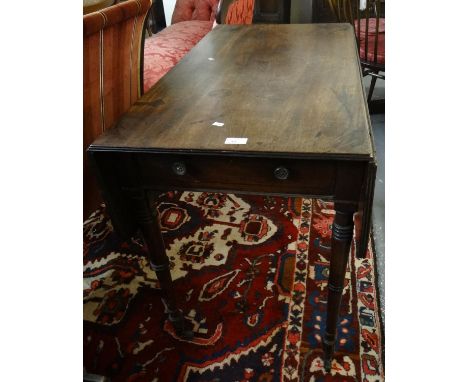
(259, 175)
(121, 174)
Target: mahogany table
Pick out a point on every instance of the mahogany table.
(269, 109)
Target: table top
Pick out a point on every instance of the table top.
(281, 89)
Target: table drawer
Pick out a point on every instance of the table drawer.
(240, 174)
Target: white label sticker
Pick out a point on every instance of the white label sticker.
(235, 141)
(218, 124)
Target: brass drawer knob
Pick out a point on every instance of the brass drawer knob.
(281, 173)
(179, 168)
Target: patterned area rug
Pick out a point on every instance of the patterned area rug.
(250, 273)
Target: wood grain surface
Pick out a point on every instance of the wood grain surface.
(287, 88)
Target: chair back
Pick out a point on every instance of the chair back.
(235, 12)
(368, 20)
(187, 10)
(111, 76)
(225, 11)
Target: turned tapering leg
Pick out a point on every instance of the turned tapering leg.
(150, 227)
(342, 234)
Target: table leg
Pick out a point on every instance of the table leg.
(148, 222)
(342, 234)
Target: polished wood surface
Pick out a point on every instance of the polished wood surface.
(287, 88)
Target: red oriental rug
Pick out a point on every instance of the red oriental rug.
(250, 273)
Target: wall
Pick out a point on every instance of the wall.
(168, 9)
